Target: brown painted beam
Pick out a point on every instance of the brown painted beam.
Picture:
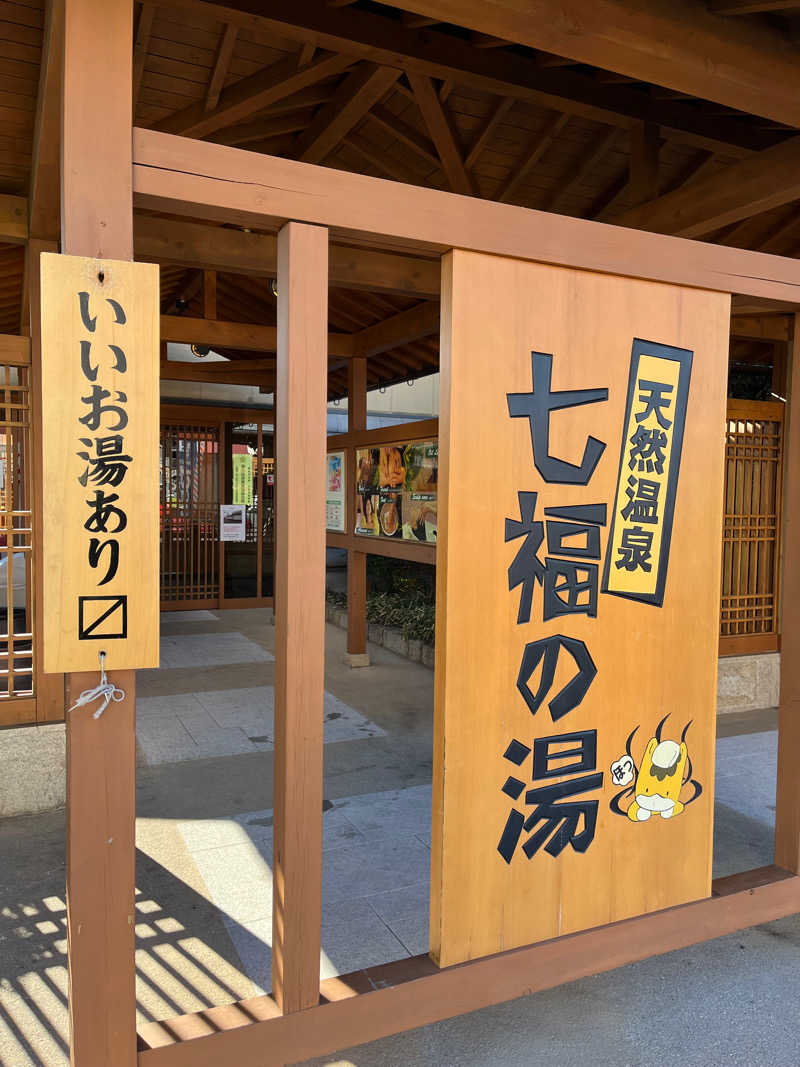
(233, 250)
(300, 397)
(366, 35)
(97, 221)
(252, 94)
(375, 1003)
(243, 335)
(351, 102)
(13, 219)
(681, 45)
(222, 62)
(787, 804)
(744, 188)
(400, 329)
(442, 134)
(206, 180)
(45, 179)
(356, 561)
(531, 156)
(763, 328)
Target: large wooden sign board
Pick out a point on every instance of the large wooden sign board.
(581, 473)
(100, 410)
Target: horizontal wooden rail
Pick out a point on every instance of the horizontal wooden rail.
(393, 547)
(189, 177)
(15, 350)
(244, 335)
(421, 430)
(375, 1003)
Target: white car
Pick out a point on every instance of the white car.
(18, 578)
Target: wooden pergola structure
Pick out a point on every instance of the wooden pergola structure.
(233, 146)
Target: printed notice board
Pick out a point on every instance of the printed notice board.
(578, 600)
(100, 410)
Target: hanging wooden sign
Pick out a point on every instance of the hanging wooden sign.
(580, 501)
(100, 411)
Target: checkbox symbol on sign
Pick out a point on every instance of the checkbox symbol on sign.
(102, 618)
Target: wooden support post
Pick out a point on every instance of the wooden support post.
(300, 396)
(357, 655)
(97, 220)
(787, 804)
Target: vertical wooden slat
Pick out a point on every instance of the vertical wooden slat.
(97, 220)
(299, 612)
(787, 804)
(49, 688)
(356, 561)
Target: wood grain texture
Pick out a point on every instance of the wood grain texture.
(97, 220)
(96, 216)
(650, 661)
(67, 572)
(787, 804)
(227, 184)
(49, 688)
(380, 1001)
(299, 613)
(356, 561)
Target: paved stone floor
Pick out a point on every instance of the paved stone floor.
(204, 836)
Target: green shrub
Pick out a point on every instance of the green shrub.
(409, 605)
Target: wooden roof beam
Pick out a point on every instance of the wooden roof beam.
(359, 92)
(378, 39)
(252, 94)
(222, 62)
(236, 252)
(493, 120)
(762, 327)
(141, 44)
(744, 188)
(442, 134)
(407, 134)
(248, 337)
(596, 151)
(419, 321)
(44, 190)
(681, 44)
(749, 7)
(534, 152)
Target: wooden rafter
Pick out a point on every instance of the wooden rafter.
(264, 128)
(533, 153)
(383, 163)
(357, 94)
(253, 337)
(595, 153)
(144, 26)
(365, 35)
(442, 134)
(400, 329)
(644, 158)
(493, 120)
(227, 43)
(44, 187)
(749, 7)
(751, 67)
(744, 188)
(252, 94)
(408, 134)
(193, 244)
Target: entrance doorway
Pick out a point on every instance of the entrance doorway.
(208, 458)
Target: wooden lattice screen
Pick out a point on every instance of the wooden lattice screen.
(751, 530)
(190, 482)
(16, 541)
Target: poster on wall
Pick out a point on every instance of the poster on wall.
(334, 493)
(100, 415)
(396, 491)
(232, 522)
(242, 489)
(579, 596)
